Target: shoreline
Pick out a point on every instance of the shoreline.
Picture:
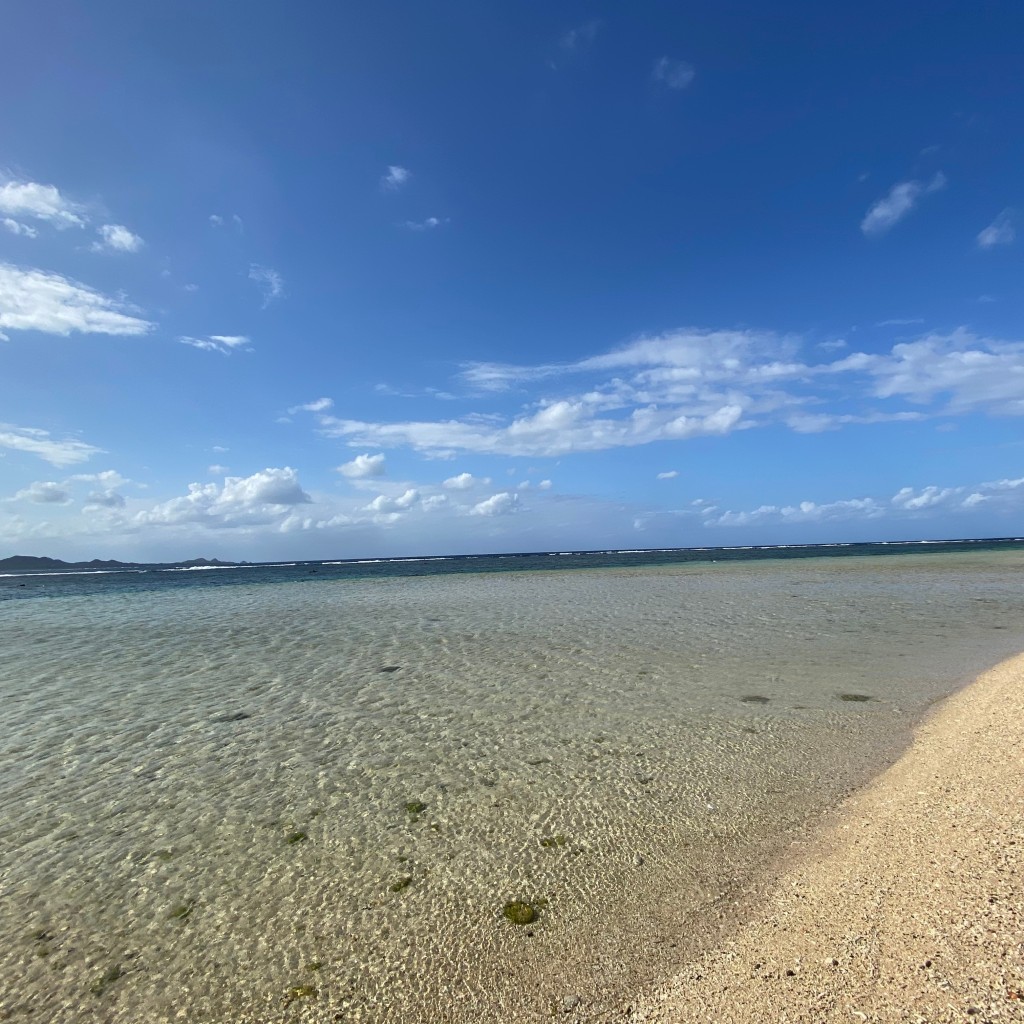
(906, 906)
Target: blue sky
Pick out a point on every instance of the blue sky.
(320, 280)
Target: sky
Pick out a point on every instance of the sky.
(318, 280)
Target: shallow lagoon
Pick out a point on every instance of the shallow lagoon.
(315, 802)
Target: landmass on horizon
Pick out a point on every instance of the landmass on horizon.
(41, 564)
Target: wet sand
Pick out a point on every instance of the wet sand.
(909, 906)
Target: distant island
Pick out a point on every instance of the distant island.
(33, 563)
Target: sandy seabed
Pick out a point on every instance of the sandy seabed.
(909, 906)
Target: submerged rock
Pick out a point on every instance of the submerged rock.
(232, 716)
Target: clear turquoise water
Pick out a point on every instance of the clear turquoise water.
(145, 823)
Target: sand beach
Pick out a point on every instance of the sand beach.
(907, 907)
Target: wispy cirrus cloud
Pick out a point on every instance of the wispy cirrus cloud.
(395, 177)
(36, 300)
(580, 37)
(317, 405)
(270, 282)
(673, 74)
(1000, 232)
(225, 344)
(58, 452)
(426, 225)
(692, 383)
(888, 211)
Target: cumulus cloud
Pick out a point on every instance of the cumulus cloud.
(673, 74)
(44, 493)
(496, 505)
(270, 282)
(117, 238)
(35, 300)
(1000, 232)
(40, 202)
(465, 481)
(260, 499)
(60, 453)
(363, 466)
(395, 177)
(669, 474)
(910, 500)
(387, 504)
(104, 499)
(900, 200)
(225, 344)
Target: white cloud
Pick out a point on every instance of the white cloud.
(34, 300)
(61, 453)
(17, 228)
(901, 322)
(901, 199)
(544, 485)
(581, 37)
(108, 478)
(363, 466)
(1000, 232)
(225, 344)
(270, 282)
(217, 469)
(911, 501)
(40, 202)
(804, 512)
(317, 405)
(384, 503)
(45, 493)
(674, 74)
(216, 220)
(260, 499)
(104, 499)
(426, 225)
(465, 481)
(395, 177)
(669, 474)
(117, 238)
(496, 505)
(691, 383)
(967, 370)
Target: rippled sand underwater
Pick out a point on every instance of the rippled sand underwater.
(282, 802)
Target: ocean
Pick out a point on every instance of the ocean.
(466, 789)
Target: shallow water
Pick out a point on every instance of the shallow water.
(208, 794)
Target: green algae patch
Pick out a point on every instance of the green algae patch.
(519, 912)
(855, 698)
(106, 979)
(552, 842)
(415, 806)
(299, 992)
(296, 837)
(402, 883)
(754, 698)
(314, 965)
(182, 911)
(163, 855)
